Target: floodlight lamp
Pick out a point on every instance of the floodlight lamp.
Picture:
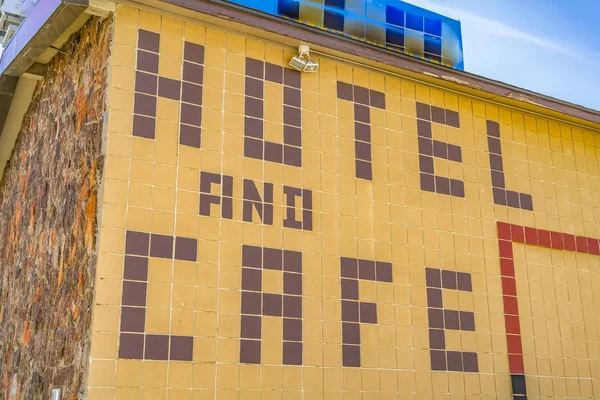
(302, 61)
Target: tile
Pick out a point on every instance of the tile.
(137, 243)
(146, 83)
(189, 136)
(455, 362)
(493, 129)
(350, 333)
(496, 162)
(449, 280)
(252, 256)
(434, 298)
(362, 132)
(433, 277)
(350, 289)
(273, 73)
(494, 145)
(145, 105)
(440, 149)
(349, 267)
(169, 88)
(144, 127)
(377, 99)
(438, 360)
(368, 313)
(253, 107)
(569, 241)
(498, 179)
(345, 91)
(251, 327)
(192, 73)
(251, 303)
(442, 185)
(147, 62)
(437, 339)
(191, 114)
(464, 281)
(351, 356)
(292, 97)
(512, 324)
(134, 293)
(291, 135)
(291, 77)
(191, 93)
(156, 347)
(423, 111)
(136, 268)
(251, 279)
(510, 305)
(186, 249)
(423, 130)
(292, 261)
(518, 384)
(425, 146)
(556, 240)
(292, 283)
(470, 362)
(366, 269)
(273, 259)
(254, 88)
(362, 151)
(292, 353)
(362, 113)
(250, 351)
(438, 115)
(514, 345)
(292, 116)
(255, 68)
(383, 271)
(512, 199)
(436, 318)
(467, 321)
(350, 311)
(427, 182)
(581, 244)
(253, 127)
(148, 40)
(193, 52)
(161, 246)
(292, 156)
(131, 346)
(292, 306)
(272, 304)
(509, 286)
(454, 153)
(181, 348)
(451, 320)
(364, 170)
(499, 196)
(452, 119)
(133, 319)
(292, 329)
(361, 95)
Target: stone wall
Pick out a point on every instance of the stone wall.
(48, 202)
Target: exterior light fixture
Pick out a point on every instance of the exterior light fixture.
(302, 61)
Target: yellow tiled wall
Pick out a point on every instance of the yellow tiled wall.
(152, 185)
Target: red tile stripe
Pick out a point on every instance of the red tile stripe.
(507, 234)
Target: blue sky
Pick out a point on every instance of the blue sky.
(550, 47)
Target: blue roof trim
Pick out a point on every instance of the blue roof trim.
(377, 22)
